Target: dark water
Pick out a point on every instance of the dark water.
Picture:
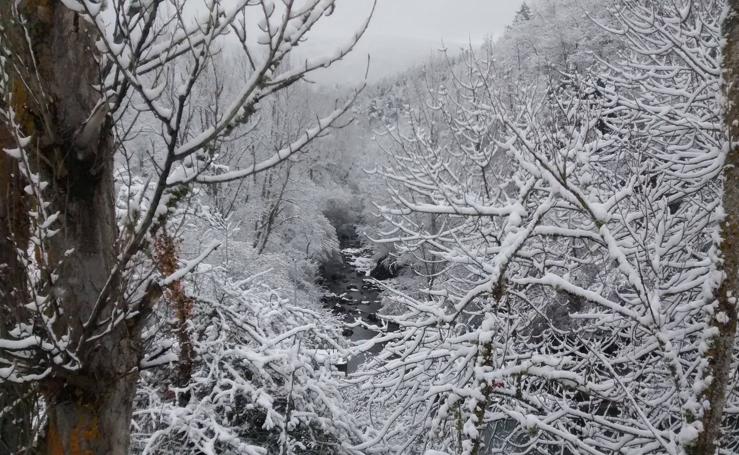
(352, 294)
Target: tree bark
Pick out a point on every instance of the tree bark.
(16, 400)
(720, 354)
(89, 410)
(166, 248)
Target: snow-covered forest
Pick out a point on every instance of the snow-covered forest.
(523, 245)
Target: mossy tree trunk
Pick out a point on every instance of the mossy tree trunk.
(16, 400)
(720, 354)
(89, 410)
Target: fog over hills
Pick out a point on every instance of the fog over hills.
(388, 55)
(403, 33)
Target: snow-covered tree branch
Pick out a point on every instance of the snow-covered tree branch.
(84, 81)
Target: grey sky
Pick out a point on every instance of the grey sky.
(405, 32)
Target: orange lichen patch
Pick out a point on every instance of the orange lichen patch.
(54, 440)
(166, 249)
(19, 103)
(81, 440)
(84, 435)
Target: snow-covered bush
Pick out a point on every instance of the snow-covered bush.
(576, 230)
(263, 380)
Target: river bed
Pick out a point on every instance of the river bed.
(351, 293)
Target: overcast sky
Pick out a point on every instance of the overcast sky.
(403, 33)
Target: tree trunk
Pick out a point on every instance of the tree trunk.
(16, 400)
(84, 422)
(166, 248)
(720, 354)
(90, 409)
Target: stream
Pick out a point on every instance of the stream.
(351, 293)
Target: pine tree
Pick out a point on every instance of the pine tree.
(523, 14)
